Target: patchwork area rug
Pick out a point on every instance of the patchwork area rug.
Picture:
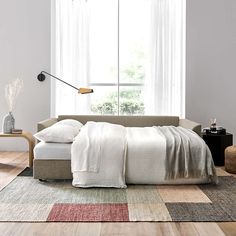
(29, 200)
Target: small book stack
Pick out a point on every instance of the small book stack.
(16, 131)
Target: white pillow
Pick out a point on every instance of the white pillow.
(73, 123)
(62, 132)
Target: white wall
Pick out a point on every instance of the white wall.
(211, 62)
(24, 52)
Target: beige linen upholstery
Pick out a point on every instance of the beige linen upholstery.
(188, 124)
(51, 169)
(127, 121)
(61, 169)
(46, 123)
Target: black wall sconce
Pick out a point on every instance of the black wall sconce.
(41, 77)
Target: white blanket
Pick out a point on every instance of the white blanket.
(99, 150)
(145, 152)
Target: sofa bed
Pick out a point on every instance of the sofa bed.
(53, 160)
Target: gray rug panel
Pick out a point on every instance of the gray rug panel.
(222, 193)
(225, 183)
(198, 212)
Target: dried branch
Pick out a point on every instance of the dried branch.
(12, 91)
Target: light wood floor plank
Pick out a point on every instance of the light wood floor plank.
(129, 228)
(229, 228)
(220, 171)
(12, 157)
(185, 229)
(11, 164)
(50, 229)
(113, 229)
(206, 229)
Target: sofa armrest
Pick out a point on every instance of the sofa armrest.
(188, 124)
(46, 123)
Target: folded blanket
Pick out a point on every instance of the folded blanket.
(187, 155)
(99, 151)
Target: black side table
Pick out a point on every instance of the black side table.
(217, 144)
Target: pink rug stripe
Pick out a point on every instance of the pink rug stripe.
(89, 212)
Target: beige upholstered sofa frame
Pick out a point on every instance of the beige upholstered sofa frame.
(61, 169)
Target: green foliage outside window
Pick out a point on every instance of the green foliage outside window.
(131, 102)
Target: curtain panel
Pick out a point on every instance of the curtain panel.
(88, 36)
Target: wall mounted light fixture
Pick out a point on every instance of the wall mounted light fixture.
(41, 77)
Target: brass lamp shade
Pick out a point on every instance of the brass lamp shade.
(85, 90)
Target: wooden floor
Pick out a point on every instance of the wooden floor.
(12, 163)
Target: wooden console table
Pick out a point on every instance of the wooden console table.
(29, 137)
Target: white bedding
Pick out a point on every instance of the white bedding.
(145, 155)
(52, 151)
(98, 156)
(145, 164)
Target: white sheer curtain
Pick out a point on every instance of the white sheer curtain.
(74, 56)
(165, 68)
(71, 56)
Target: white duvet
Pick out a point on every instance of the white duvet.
(109, 155)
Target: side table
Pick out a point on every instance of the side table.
(31, 141)
(217, 144)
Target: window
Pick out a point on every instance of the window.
(131, 52)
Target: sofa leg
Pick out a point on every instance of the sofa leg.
(42, 180)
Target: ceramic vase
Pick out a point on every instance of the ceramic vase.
(8, 123)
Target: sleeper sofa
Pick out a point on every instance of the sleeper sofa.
(52, 160)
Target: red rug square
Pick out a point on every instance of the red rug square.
(89, 212)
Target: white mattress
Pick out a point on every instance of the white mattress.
(52, 151)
